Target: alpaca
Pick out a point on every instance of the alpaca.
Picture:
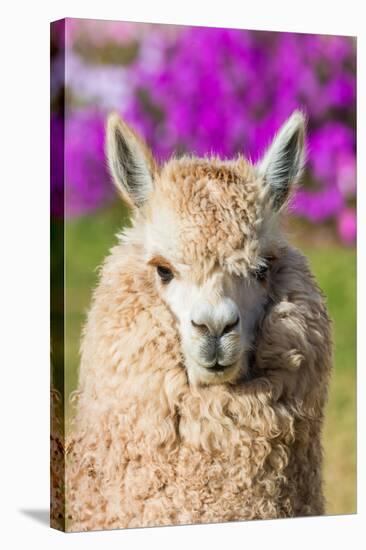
(206, 354)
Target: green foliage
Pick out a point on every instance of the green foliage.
(88, 240)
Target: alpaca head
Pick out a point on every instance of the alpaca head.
(207, 231)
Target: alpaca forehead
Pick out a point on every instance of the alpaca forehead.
(162, 233)
(206, 212)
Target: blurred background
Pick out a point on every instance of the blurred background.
(211, 90)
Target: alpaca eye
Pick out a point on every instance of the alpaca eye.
(261, 272)
(165, 274)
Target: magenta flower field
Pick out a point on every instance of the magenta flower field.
(208, 90)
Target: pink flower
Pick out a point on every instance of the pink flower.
(347, 226)
(346, 173)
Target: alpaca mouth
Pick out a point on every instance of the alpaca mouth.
(214, 373)
(217, 367)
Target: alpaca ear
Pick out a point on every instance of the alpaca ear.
(130, 161)
(282, 164)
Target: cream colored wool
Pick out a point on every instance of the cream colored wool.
(147, 447)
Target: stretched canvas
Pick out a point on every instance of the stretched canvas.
(203, 228)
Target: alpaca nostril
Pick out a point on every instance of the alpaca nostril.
(200, 326)
(231, 326)
(215, 332)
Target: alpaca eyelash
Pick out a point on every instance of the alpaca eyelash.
(261, 271)
(163, 268)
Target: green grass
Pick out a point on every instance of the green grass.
(88, 240)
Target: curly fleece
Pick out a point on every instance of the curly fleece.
(149, 449)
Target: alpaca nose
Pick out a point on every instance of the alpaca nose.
(216, 320)
(218, 332)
